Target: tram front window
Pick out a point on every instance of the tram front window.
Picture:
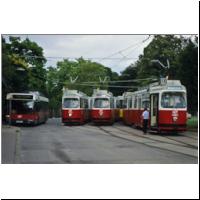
(101, 103)
(173, 100)
(71, 103)
(22, 106)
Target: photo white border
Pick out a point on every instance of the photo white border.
(99, 17)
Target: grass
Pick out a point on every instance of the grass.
(193, 122)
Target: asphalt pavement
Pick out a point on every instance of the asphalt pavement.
(54, 143)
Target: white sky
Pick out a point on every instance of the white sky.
(92, 46)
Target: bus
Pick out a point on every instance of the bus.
(27, 108)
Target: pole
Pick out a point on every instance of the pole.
(10, 109)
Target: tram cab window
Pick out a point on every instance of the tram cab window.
(173, 100)
(71, 103)
(101, 103)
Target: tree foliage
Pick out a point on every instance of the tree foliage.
(22, 67)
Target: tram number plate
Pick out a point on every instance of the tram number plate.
(19, 121)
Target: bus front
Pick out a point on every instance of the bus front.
(21, 109)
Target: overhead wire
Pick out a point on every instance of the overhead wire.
(138, 45)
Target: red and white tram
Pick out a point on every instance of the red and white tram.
(166, 102)
(75, 107)
(27, 108)
(102, 107)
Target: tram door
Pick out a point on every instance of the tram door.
(154, 110)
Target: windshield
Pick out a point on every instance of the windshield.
(22, 106)
(101, 103)
(71, 103)
(173, 100)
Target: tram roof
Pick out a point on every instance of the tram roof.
(174, 85)
(101, 93)
(68, 92)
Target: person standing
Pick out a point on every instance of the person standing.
(145, 116)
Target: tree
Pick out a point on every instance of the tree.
(188, 73)
(22, 67)
(161, 48)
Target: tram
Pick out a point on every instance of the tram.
(102, 107)
(75, 107)
(27, 108)
(118, 105)
(166, 101)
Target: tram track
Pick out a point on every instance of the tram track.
(194, 138)
(157, 140)
(184, 143)
(147, 143)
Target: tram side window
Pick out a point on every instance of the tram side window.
(145, 104)
(82, 103)
(125, 103)
(86, 103)
(139, 102)
(120, 103)
(112, 103)
(135, 103)
(129, 103)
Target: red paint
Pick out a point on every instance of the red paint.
(166, 118)
(71, 115)
(24, 116)
(133, 117)
(102, 115)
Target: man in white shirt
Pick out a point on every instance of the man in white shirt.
(145, 116)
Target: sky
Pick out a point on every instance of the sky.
(114, 51)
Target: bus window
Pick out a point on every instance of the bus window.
(22, 106)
